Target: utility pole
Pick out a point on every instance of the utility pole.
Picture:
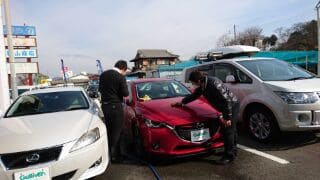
(4, 86)
(99, 67)
(11, 52)
(318, 22)
(64, 73)
(235, 33)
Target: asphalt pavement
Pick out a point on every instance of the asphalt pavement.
(257, 160)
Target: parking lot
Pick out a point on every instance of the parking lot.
(292, 156)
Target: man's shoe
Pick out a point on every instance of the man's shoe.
(116, 160)
(225, 160)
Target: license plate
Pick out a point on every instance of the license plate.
(33, 174)
(200, 135)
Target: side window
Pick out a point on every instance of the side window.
(187, 74)
(207, 69)
(130, 92)
(241, 77)
(222, 71)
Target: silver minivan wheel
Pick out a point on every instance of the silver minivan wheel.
(260, 126)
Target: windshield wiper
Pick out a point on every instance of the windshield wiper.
(75, 108)
(297, 78)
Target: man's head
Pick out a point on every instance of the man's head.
(195, 77)
(122, 66)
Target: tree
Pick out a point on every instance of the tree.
(301, 36)
(269, 42)
(282, 34)
(250, 35)
(247, 37)
(225, 40)
(273, 40)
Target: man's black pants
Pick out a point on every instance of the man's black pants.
(230, 140)
(230, 135)
(114, 119)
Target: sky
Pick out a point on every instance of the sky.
(81, 31)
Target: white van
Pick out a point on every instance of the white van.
(274, 95)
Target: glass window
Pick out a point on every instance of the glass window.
(130, 92)
(20, 91)
(275, 70)
(160, 90)
(48, 102)
(206, 69)
(222, 71)
(241, 77)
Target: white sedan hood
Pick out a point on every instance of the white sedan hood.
(43, 130)
(303, 85)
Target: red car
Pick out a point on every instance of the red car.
(159, 129)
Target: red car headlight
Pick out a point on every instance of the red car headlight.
(153, 124)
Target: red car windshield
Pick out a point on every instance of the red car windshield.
(160, 90)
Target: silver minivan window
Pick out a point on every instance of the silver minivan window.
(275, 70)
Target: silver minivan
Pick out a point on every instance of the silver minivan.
(274, 95)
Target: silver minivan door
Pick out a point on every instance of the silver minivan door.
(243, 85)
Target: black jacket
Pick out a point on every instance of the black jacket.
(113, 87)
(217, 94)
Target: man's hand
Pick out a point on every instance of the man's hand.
(176, 104)
(225, 122)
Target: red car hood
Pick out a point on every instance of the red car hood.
(161, 111)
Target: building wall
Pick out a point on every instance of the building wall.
(152, 63)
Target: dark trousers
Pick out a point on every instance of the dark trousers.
(230, 135)
(114, 119)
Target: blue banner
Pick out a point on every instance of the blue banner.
(21, 30)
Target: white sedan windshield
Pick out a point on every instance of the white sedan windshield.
(48, 102)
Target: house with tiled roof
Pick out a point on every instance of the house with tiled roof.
(150, 59)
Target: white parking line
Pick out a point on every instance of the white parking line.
(259, 153)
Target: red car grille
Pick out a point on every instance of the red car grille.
(184, 131)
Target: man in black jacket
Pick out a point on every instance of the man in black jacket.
(113, 88)
(223, 100)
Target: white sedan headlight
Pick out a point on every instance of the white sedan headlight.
(86, 139)
(298, 97)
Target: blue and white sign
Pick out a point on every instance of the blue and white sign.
(21, 30)
(23, 53)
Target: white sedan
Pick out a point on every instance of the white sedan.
(53, 133)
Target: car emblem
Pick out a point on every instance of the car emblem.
(200, 125)
(33, 158)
